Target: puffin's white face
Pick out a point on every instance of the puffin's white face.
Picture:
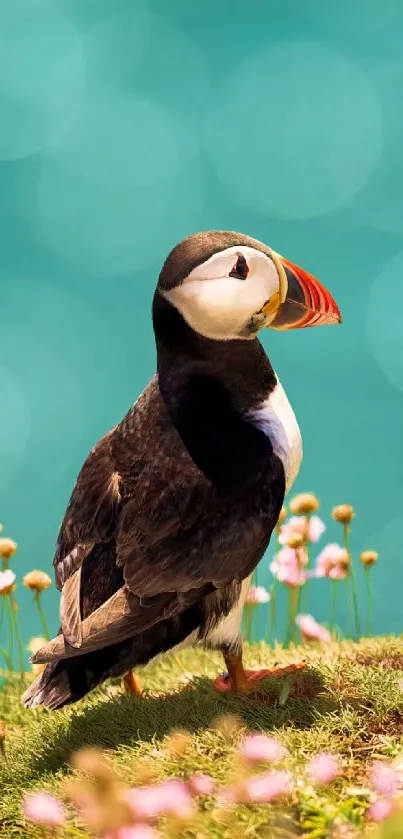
(231, 295)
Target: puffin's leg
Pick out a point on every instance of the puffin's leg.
(239, 680)
(132, 684)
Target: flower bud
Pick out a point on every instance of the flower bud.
(7, 582)
(368, 558)
(7, 548)
(37, 581)
(343, 513)
(304, 504)
(295, 540)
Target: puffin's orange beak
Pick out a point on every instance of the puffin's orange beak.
(306, 302)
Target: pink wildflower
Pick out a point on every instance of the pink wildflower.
(288, 566)
(133, 831)
(43, 808)
(312, 530)
(263, 789)
(333, 561)
(257, 595)
(384, 779)
(323, 768)
(168, 797)
(202, 784)
(7, 580)
(381, 809)
(311, 630)
(259, 748)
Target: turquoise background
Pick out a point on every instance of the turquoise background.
(125, 126)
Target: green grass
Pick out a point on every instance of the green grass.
(349, 700)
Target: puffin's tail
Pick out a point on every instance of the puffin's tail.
(51, 688)
(66, 680)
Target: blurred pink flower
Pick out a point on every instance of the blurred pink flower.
(311, 630)
(288, 568)
(258, 748)
(167, 797)
(133, 831)
(383, 778)
(313, 529)
(333, 561)
(7, 580)
(263, 789)
(381, 809)
(43, 808)
(257, 595)
(323, 768)
(202, 784)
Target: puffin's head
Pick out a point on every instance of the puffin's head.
(227, 285)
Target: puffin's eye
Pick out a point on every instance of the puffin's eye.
(240, 269)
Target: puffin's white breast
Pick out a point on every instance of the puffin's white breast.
(277, 420)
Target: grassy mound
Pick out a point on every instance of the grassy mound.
(349, 700)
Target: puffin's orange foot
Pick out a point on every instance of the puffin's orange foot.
(132, 684)
(223, 683)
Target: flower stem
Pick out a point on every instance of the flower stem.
(370, 600)
(271, 624)
(293, 597)
(334, 591)
(10, 630)
(42, 615)
(20, 645)
(248, 621)
(7, 658)
(353, 582)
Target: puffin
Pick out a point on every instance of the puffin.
(174, 507)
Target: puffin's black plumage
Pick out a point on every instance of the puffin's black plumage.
(172, 509)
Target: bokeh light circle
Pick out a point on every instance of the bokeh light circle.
(385, 321)
(112, 232)
(124, 141)
(295, 131)
(58, 362)
(42, 75)
(15, 425)
(175, 70)
(114, 41)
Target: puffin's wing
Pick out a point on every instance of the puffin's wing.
(164, 553)
(90, 519)
(170, 564)
(122, 616)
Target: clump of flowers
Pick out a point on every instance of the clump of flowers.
(293, 570)
(304, 504)
(7, 582)
(386, 787)
(7, 549)
(257, 595)
(259, 748)
(44, 809)
(323, 768)
(311, 630)
(333, 562)
(36, 581)
(111, 809)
